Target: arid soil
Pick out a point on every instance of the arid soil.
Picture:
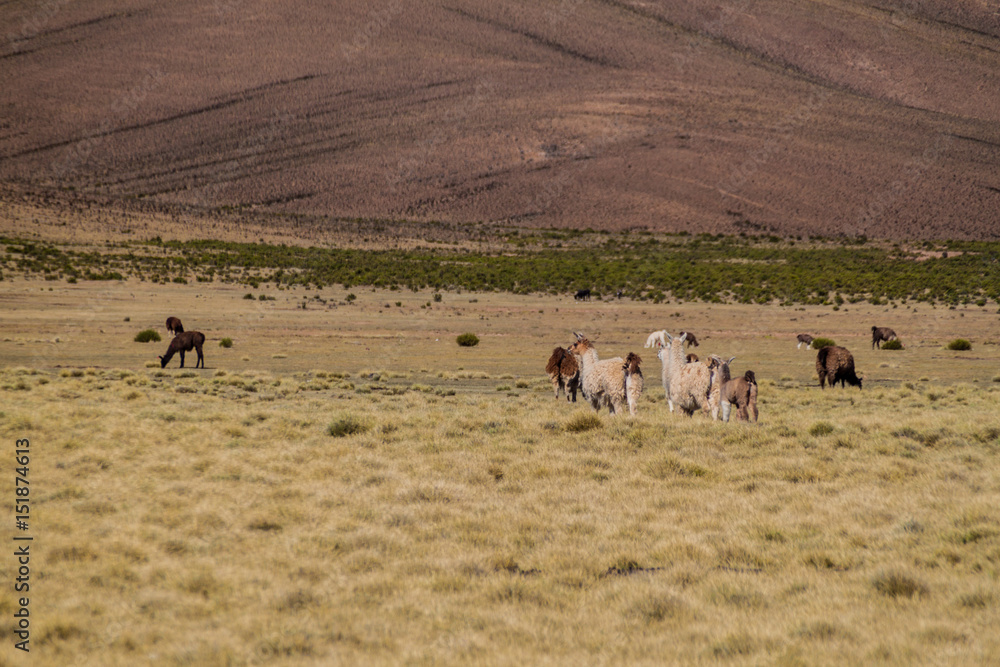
(871, 118)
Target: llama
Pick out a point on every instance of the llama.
(564, 373)
(740, 391)
(804, 339)
(184, 342)
(657, 339)
(582, 295)
(690, 384)
(174, 325)
(880, 334)
(691, 340)
(633, 381)
(663, 354)
(835, 364)
(602, 381)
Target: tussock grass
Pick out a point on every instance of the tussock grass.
(453, 524)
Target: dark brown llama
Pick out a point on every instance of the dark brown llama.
(880, 334)
(691, 340)
(174, 325)
(835, 364)
(804, 339)
(184, 342)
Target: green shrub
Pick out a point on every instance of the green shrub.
(960, 344)
(468, 340)
(147, 335)
(894, 344)
(248, 295)
(347, 425)
(226, 342)
(819, 343)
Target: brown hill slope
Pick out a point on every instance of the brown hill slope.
(878, 118)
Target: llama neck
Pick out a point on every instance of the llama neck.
(587, 360)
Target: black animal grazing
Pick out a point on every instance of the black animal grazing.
(174, 325)
(835, 364)
(184, 342)
(582, 295)
(804, 338)
(880, 334)
(692, 341)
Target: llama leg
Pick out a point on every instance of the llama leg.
(201, 359)
(726, 407)
(182, 358)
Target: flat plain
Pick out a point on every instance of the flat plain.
(345, 484)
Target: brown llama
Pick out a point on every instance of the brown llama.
(174, 325)
(564, 373)
(880, 334)
(691, 340)
(741, 392)
(804, 339)
(835, 364)
(184, 342)
(633, 381)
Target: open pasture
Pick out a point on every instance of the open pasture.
(346, 485)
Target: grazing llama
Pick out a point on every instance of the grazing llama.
(835, 364)
(185, 342)
(174, 325)
(880, 334)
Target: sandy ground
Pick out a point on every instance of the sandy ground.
(49, 326)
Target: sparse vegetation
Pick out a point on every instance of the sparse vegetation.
(960, 345)
(819, 343)
(734, 269)
(894, 344)
(363, 472)
(147, 336)
(226, 342)
(467, 340)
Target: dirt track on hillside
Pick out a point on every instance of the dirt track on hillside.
(789, 117)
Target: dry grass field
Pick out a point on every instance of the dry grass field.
(346, 485)
(853, 117)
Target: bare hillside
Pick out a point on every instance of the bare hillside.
(878, 118)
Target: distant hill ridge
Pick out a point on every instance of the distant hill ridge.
(877, 118)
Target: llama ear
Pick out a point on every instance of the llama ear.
(668, 335)
(579, 336)
(730, 360)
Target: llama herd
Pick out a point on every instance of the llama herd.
(184, 341)
(689, 385)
